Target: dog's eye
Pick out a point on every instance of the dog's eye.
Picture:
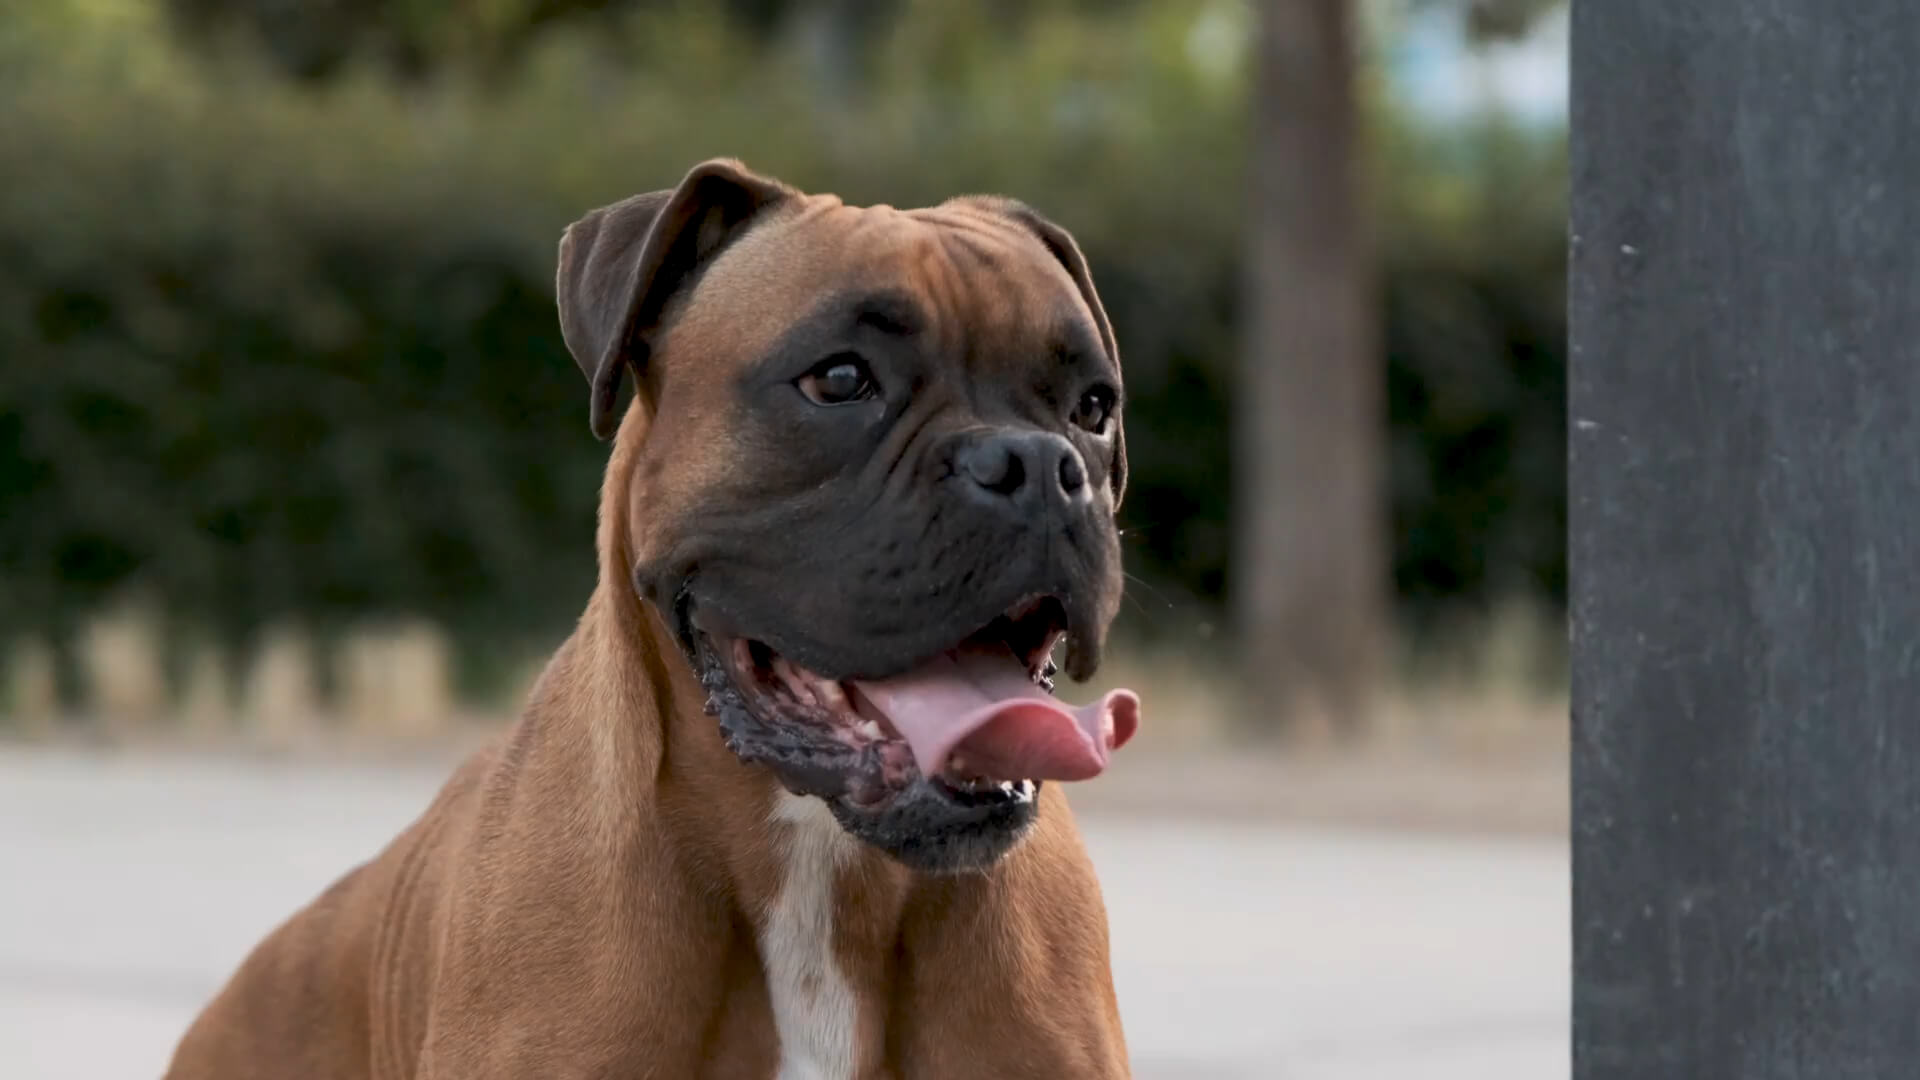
(841, 379)
(1094, 408)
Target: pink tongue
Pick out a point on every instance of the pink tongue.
(983, 706)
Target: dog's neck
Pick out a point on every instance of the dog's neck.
(824, 908)
(647, 688)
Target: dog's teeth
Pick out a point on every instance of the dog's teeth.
(868, 729)
(831, 695)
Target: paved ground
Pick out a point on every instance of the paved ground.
(130, 885)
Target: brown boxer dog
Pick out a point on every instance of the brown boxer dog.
(777, 808)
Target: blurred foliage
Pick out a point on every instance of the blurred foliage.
(1496, 19)
(314, 41)
(279, 346)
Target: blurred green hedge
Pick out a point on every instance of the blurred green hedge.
(275, 349)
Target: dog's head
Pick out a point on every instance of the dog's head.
(879, 454)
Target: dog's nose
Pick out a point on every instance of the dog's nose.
(1026, 468)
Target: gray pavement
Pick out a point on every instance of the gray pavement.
(131, 884)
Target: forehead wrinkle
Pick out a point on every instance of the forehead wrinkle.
(984, 221)
(990, 231)
(974, 301)
(770, 271)
(920, 259)
(986, 267)
(771, 277)
(1001, 335)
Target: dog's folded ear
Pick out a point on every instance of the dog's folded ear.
(620, 264)
(1061, 244)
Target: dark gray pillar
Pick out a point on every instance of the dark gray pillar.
(1745, 535)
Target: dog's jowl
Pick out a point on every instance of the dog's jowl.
(788, 803)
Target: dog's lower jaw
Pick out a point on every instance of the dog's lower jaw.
(923, 826)
(924, 829)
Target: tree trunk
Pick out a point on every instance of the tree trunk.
(1310, 566)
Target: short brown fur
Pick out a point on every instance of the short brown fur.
(581, 898)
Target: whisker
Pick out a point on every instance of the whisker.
(1136, 579)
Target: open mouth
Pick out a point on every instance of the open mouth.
(978, 723)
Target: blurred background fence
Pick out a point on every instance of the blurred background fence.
(286, 423)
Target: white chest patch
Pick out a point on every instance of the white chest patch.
(813, 1005)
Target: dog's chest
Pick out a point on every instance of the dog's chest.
(814, 1008)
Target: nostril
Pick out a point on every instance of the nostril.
(1072, 476)
(994, 466)
(1012, 475)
